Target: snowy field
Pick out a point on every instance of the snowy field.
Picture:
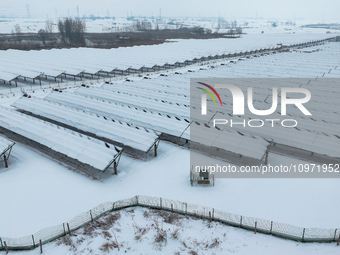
(38, 192)
(120, 24)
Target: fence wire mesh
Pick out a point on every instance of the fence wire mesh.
(254, 224)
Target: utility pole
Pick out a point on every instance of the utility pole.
(28, 11)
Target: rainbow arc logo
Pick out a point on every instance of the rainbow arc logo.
(209, 93)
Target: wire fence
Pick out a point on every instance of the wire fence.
(254, 224)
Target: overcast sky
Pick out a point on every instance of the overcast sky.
(279, 9)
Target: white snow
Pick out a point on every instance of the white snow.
(38, 192)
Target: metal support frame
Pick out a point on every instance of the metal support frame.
(155, 145)
(114, 161)
(6, 157)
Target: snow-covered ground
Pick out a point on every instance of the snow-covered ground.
(38, 192)
(144, 231)
(121, 24)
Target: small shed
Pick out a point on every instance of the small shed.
(201, 177)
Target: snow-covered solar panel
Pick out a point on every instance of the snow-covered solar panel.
(154, 120)
(251, 146)
(120, 132)
(74, 61)
(84, 149)
(136, 100)
(149, 91)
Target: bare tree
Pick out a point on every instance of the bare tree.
(61, 28)
(43, 35)
(49, 26)
(17, 31)
(72, 31)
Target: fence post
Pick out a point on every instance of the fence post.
(209, 215)
(64, 228)
(68, 228)
(160, 200)
(271, 227)
(186, 208)
(213, 212)
(41, 250)
(241, 222)
(338, 241)
(113, 206)
(303, 234)
(33, 241)
(2, 247)
(91, 216)
(172, 207)
(6, 248)
(255, 227)
(137, 199)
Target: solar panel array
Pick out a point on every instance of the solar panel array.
(78, 61)
(84, 149)
(150, 119)
(318, 133)
(119, 132)
(163, 105)
(121, 103)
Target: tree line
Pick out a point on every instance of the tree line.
(72, 31)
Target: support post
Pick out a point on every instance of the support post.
(303, 234)
(155, 149)
(186, 208)
(115, 168)
(64, 228)
(172, 207)
(33, 241)
(338, 242)
(241, 222)
(41, 250)
(255, 227)
(6, 248)
(334, 239)
(271, 227)
(68, 228)
(160, 202)
(6, 162)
